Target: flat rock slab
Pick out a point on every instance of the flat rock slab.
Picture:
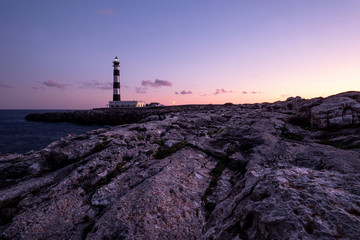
(204, 172)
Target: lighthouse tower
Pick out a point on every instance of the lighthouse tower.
(116, 95)
(116, 102)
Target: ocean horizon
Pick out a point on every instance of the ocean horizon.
(20, 136)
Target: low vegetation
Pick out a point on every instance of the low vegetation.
(215, 173)
(164, 151)
(285, 133)
(106, 179)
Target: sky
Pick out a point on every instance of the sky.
(58, 54)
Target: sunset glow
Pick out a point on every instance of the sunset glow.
(58, 55)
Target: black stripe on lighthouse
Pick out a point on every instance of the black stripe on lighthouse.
(116, 97)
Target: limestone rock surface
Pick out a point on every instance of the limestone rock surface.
(335, 111)
(205, 172)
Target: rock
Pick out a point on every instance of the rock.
(203, 172)
(151, 118)
(113, 116)
(333, 112)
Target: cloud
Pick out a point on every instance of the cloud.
(38, 88)
(3, 85)
(156, 84)
(284, 95)
(252, 92)
(54, 84)
(104, 12)
(94, 84)
(221, 91)
(140, 90)
(183, 92)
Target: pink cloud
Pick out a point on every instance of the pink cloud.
(140, 90)
(38, 88)
(156, 84)
(54, 84)
(104, 12)
(96, 84)
(221, 91)
(252, 92)
(183, 92)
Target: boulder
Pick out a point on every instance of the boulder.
(336, 111)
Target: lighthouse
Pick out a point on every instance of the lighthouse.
(116, 94)
(116, 102)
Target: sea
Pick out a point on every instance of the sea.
(20, 136)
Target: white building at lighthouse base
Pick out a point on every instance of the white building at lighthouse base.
(126, 104)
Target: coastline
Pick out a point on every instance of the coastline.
(219, 172)
(116, 116)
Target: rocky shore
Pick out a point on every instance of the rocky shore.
(111, 116)
(283, 170)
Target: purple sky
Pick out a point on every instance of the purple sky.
(58, 54)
